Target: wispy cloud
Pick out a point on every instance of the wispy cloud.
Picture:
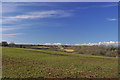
(101, 6)
(42, 14)
(10, 36)
(109, 5)
(17, 4)
(111, 19)
(6, 20)
(14, 34)
(22, 14)
(9, 28)
(13, 27)
(36, 15)
(14, 7)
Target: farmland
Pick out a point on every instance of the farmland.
(35, 63)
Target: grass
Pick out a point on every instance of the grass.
(25, 63)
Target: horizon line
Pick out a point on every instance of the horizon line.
(83, 44)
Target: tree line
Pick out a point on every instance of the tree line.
(102, 50)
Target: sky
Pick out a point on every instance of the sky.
(60, 1)
(59, 22)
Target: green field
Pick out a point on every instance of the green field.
(25, 63)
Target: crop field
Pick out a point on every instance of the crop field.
(33, 63)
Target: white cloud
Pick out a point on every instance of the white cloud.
(35, 15)
(100, 6)
(111, 19)
(114, 43)
(110, 5)
(13, 27)
(15, 7)
(16, 20)
(47, 44)
(9, 28)
(52, 44)
(57, 44)
(101, 43)
(41, 14)
(14, 34)
(9, 20)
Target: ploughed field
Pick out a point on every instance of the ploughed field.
(32, 63)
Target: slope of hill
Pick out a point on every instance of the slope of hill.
(25, 63)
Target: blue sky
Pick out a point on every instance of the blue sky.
(62, 22)
(60, 1)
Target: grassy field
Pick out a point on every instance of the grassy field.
(25, 63)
